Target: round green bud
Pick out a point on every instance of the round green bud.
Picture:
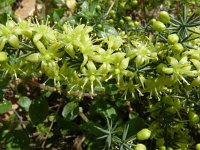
(140, 147)
(177, 48)
(172, 38)
(143, 134)
(3, 57)
(159, 26)
(164, 17)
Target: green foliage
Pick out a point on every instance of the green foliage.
(70, 110)
(104, 76)
(5, 10)
(17, 139)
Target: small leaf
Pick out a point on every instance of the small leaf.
(13, 41)
(5, 106)
(58, 13)
(110, 112)
(24, 102)
(70, 110)
(38, 110)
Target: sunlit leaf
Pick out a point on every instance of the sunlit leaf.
(70, 110)
(24, 102)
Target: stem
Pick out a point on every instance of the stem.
(26, 45)
(143, 8)
(53, 89)
(20, 119)
(21, 122)
(51, 126)
(110, 8)
(83, 116)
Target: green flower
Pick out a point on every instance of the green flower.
(142, 54)
(179, 68)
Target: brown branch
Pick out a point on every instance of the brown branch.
(53, 89)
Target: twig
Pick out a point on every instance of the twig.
(143, 8)
(50, 127)
(82, 115)
(110, 8)
(21, 122)
(20, 119)
(53, 89)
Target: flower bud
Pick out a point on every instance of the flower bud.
(91, 66)
(140, 147)
(3, 57)
(164, 17)
(172, 38)
(144, 134)
(198, 146)
(193, 118)
(159, 26)
(33, 57)
(13, 41)
(177, 48)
